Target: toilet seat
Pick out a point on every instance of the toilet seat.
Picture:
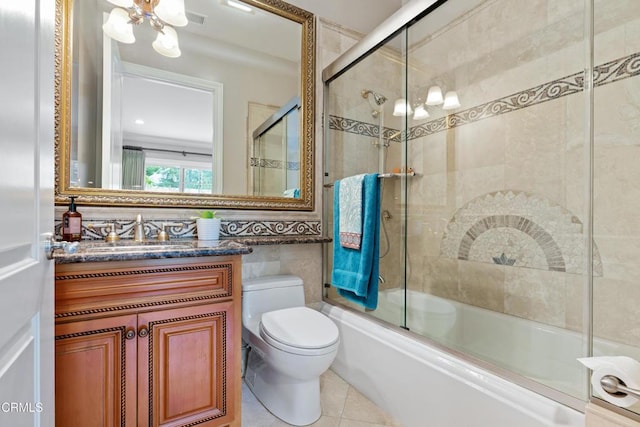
(299, 330)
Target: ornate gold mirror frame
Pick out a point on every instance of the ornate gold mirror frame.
(107, 197)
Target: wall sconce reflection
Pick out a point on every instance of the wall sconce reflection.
(449, 101)
(402, 108)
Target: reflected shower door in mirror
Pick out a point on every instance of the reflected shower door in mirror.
(274, 162)
(173, 128)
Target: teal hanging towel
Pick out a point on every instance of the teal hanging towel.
(355, 271)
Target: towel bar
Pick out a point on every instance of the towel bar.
(382, 175)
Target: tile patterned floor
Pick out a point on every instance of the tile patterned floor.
(342, 406)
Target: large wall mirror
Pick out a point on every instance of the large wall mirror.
(213, 107)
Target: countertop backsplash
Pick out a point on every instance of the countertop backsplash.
(95, 229)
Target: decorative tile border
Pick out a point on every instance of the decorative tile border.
(518, 229)
(618, 69)
(527, 98)
(363, 128)
(270, 228)
(187, 228)
(609, 72)
(274, 164)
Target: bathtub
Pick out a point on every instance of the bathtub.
(543, 353)
(421, 385)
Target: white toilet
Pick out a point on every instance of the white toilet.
(290, 347)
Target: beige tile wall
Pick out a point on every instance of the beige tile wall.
(303, 260)
(617, 178)
(539, 150)
(616, 206)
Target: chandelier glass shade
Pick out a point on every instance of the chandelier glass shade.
(163, 15)
(420, 113)
(451, 101)
(434, 96)
(402, 108)
(167, 43)
(118, 28)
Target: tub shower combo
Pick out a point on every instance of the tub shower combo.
(505, 134)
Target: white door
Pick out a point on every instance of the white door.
(26, 212)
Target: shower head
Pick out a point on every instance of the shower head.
(378, 98)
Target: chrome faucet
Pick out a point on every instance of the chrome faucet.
(138, 230)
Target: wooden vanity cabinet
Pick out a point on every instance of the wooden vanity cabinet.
(148, 342)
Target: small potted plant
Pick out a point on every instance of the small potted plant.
(208, 226)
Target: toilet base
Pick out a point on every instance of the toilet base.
(294, 401)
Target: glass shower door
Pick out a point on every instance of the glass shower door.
(497, 225)
(365, 133)
(616, 179)
(510, 228)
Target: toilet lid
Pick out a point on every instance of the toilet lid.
(300, 327)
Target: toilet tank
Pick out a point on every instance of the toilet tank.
(269, 293)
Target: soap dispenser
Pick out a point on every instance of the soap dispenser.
(72, 223)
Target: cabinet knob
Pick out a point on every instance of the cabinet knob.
(130, 334)
(143, 332)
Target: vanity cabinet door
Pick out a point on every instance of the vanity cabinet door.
(96, 372)
(167, 352)
(185, 362)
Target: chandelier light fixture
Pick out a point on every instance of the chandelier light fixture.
(163, 15)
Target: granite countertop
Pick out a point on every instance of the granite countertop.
(123, 250)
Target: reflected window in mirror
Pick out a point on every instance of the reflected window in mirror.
(169, 118)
